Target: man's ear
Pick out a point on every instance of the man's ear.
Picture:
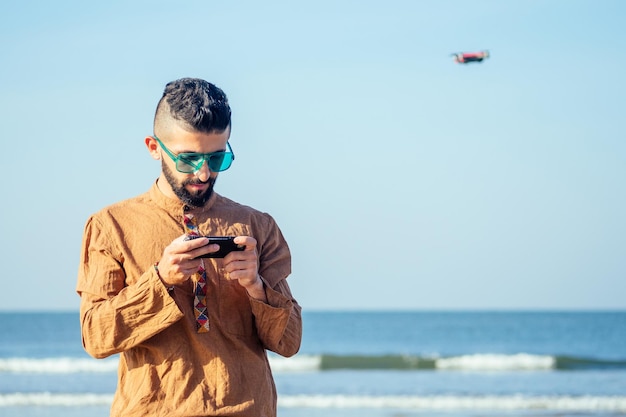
(153, 147)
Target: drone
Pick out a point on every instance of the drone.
(467, 57)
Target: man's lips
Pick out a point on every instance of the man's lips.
(198, 186)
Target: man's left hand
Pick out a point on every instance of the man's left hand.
(244, 267)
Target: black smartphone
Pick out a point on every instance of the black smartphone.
(227, 245)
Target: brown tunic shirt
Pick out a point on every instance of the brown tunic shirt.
(166, 368)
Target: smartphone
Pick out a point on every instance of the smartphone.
(227, 245)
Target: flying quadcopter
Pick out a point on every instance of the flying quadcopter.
(467, 57)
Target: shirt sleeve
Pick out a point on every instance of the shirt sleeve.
(115, 317)
(279, 322)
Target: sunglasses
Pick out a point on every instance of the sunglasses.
(191, 162)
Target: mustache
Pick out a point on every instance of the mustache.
(196, 181)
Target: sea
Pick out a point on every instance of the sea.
(365, 364)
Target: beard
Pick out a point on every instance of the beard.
(198, 199)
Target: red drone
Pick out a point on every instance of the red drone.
(467, 57)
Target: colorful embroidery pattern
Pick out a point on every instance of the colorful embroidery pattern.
(199, 301)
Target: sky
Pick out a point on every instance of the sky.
(400, 179)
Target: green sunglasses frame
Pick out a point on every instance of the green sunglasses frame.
(205, 157)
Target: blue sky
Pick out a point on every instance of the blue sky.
(400, 179)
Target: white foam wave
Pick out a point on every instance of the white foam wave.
(46, 399)
(299, 363)
(494, 403)
(57, 365)
(584, 403)
(495, 362)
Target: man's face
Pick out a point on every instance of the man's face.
(193, 189)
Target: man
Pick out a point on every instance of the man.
(192, 332)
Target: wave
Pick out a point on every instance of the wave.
(476, 362)
(438, 402)
(46, 399)
(443, 402)
(57, 365)
(320, 363)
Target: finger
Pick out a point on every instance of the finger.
(240, 265)
(245, 278)
(177, 251)
(193, 247)
(248, 241)
(181, 259)
(193, 243)
(203, 250)
(241, 256)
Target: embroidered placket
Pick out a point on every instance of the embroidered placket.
(199, 299)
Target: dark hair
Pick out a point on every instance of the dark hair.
(197, 103)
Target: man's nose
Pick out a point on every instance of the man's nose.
(204, 172)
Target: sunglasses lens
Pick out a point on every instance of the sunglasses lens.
(187, 163)
(220, 161)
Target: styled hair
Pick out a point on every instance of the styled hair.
(196, 103)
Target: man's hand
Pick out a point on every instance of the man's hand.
(244, 267)
(180, 259)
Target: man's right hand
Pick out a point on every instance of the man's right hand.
(180, 259)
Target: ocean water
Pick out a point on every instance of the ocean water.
(366, 364)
